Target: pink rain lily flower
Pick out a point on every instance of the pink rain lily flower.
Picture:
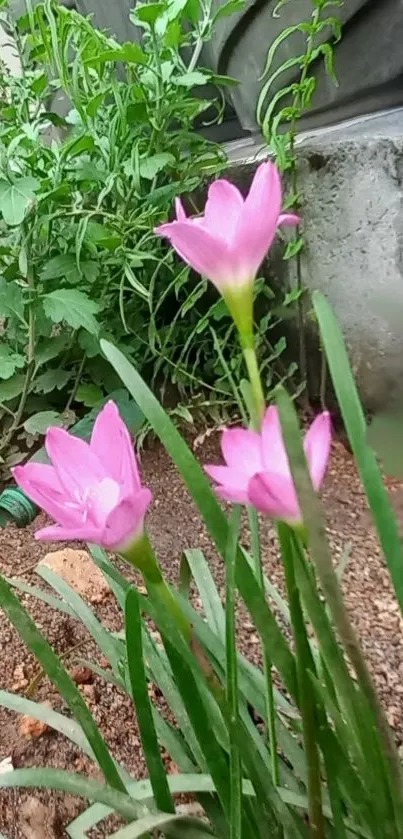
(229, 242)
(92, 490)
(257, 470)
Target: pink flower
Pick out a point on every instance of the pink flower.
(257, 470)
(92, 490)
(228, 244)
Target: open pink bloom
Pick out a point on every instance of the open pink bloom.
(92, 490)
(229, 242)
(257, 470)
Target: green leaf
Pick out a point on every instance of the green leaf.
(139, 689)
(49, 348)
(89, 343)
(129, 52)
(16, 198)
(52, 666)
(354, 420)
(77, 146)
(11, 299)
(149, 12)
(228, 8)
(39, 711)
(207, 589)
(102, 235)
(64, 265)
(90, 395)
(73, 784)
(73, 307)
(194, 79)
(193, 828)
(9, 361)
(54, 379)
(12, 387)
(150, 167)
(39, 423)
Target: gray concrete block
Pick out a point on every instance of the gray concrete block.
(351, 181)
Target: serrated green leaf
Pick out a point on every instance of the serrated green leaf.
(89, 343)
(63, 265)
(194, 79)
(9, 361)
(11, 299)
(149, 12)
(54, 379)
(72, 306)
(15, 198)
(50, 348)
(12, 387)
(150, 167)
(39, 423)
(89, 394)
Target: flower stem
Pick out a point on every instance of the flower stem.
(267, 665)
(252, 367)
(141, 555)
(305, 694)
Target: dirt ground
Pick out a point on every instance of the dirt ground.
(174, 525)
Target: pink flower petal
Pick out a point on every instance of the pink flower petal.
(41, 484)
(317, 447)
(242, 450)
(111, 443)
(275, 496)
(258, 224)
(233, 483)
(125, 521)
(223, 210)
(55, 533)
(76, 465)
(274, 455)
(102, 499)
(288, 220)
(205, 253)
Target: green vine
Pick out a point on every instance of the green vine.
(280, 123)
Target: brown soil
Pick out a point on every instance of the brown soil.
(174, 525)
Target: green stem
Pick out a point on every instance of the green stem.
(232, 677)
(141, 555)
(252, 367)
(267, 665)
(305, 694)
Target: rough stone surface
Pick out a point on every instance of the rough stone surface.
(78, 569)
(351, 181)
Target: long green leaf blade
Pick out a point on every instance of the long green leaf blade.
(354, 420)
(138, 681)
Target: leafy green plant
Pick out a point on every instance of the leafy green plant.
(79, 197)
(280, 122)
